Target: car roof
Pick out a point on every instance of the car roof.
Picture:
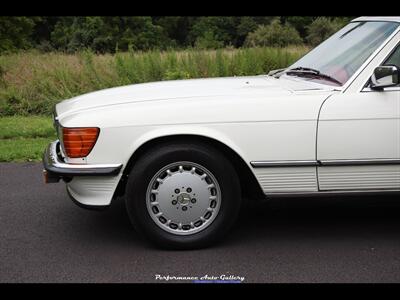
(387, 19)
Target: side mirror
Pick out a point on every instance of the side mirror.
(384, 76)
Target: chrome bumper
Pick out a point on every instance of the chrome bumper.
(55, 168)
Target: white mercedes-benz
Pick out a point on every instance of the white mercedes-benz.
(184, 153)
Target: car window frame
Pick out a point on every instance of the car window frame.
(393, 88)
(367, 85)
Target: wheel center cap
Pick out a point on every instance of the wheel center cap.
(183, 198)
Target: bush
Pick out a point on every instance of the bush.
(176, 74)
(44, 46)
(322, 28)
(208, 41)
(273, 35)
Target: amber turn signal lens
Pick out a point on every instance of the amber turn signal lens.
(78, 142)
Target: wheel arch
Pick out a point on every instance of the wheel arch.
(251, 188)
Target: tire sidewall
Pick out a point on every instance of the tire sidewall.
(145, 169)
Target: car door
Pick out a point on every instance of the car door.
(358, 139)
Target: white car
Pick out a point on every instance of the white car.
(183, 153)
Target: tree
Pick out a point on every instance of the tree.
(245, 26)
(140, 33)
(300, 23)
(322, 28)
(223, 29)
(175, 28)
(62, 33)
(105, 34)
(43, 28)
(15, 33)
(274, 34)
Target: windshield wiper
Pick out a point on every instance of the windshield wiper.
(305, 69)
(309, 71)
(275, 72)
(280, 72)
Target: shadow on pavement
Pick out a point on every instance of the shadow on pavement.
(325, 218)
(344, 217)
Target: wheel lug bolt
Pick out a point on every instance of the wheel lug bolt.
(193, 200)
(177, 191)
(174, 202)
(188, 190)
(184, 208)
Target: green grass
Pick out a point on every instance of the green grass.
(26, 127)
(24, 138)
(31, 82)
(20, 150)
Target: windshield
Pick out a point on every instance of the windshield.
(340, 56)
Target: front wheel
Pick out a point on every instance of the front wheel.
(183, 196)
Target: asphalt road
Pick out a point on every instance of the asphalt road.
(44, 237)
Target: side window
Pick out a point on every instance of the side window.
(394, 58)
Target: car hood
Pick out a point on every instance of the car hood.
(192, 90)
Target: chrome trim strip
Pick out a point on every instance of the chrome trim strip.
(54, 164)
(321, 163)
(283, 163)
(388, 89)
(376, 19)
(332, 193)
(55, 117)
(359, 162)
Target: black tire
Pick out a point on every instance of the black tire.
(205, 155)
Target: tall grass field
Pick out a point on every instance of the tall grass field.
(32, 82)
